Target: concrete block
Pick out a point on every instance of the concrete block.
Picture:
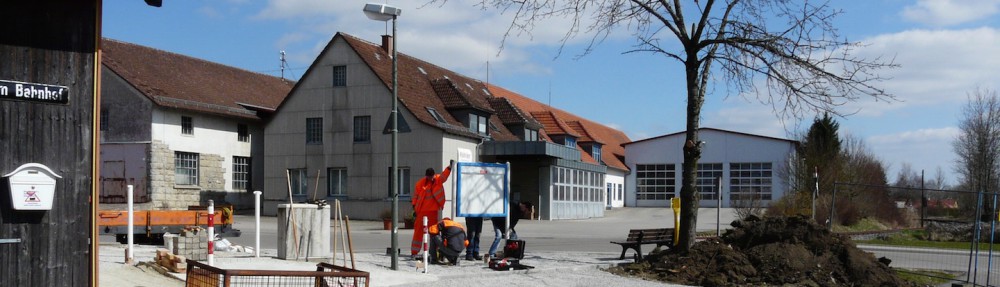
(310, 231)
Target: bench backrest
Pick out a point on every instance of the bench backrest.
(650, 234)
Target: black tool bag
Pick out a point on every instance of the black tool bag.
(513, 252)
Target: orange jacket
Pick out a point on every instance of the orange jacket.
(428, 195)
(449, 229)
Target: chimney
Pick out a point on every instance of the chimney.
(387, 44)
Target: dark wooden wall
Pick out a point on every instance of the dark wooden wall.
(49, 42)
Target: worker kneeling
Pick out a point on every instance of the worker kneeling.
(447, 241)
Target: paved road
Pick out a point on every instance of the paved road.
(587, 235)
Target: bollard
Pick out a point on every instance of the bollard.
(129, 253)
(211, 232)
(256, 215)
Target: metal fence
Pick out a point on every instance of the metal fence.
(203, 275)
(960, 228)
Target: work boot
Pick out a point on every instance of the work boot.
(476, 256)
(469, 257)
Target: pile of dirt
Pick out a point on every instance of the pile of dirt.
(771, 251)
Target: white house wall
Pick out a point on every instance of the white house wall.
(720, 147)
(616, 178)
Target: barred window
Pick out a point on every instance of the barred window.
(241, 173)
(577, 185)
(185, 168)
(314, 130)
(104, 119)
(187, 126)
(339, 76)
(242, 133)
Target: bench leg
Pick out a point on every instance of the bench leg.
(638, 252)
(623, 253)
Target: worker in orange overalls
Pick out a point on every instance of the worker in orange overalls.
(447, 241)
(427, 201)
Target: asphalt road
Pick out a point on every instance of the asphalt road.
(587, 235)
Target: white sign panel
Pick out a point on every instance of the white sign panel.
(32, 187)
(464, 155)
(483, 189)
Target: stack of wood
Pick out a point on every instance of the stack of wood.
(174, 263)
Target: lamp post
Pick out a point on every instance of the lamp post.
(384, 12)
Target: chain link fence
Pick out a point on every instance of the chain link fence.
(326, 275)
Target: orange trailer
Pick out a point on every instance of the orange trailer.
(152, 224)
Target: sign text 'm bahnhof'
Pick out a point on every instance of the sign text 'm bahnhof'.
(12, 90)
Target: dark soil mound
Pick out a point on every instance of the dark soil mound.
(772, 251)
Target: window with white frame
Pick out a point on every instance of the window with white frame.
(595, 151)
(570, 142)
(750, 181)
(241, 173)
(339, 76)
(530, 135)
(299, 181)
(362, 129)
(314, 130)
(437, 117)
(185, 168)
(655, 181)
(336, 181)
(187, 125)
(404, 181)
(707, 180)
(577, 185)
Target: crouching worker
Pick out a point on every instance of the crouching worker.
(447, 241)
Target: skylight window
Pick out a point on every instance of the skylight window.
(487, 92)
(422, 70)
(467, 85)
(377, 57)
(434, 113)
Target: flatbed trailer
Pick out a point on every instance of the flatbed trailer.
(152, 224)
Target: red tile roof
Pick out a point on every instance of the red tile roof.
(612, 154)
(418, 91)
(177, 81)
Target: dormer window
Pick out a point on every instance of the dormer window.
(477, 123)
(595, 151)
(530, 135)
(570, 142)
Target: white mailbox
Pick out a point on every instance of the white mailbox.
(32, 187)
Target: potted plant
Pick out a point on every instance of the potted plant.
(386, 216)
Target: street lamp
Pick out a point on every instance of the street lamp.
(384, 12)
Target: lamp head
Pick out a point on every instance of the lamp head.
(381, 12)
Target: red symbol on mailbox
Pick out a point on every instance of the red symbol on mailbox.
(31, 195)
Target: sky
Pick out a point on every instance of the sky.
(945, 49)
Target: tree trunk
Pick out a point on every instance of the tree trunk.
(692, 152)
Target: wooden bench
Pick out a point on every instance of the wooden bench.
(638, 237)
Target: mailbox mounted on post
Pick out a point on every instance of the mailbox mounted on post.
(32, 187)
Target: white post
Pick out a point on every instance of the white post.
(256, 216)
(211, 232)
(427, 241)
(131, 227)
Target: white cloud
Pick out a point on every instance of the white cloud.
(936, 67)
(749, 118)
(950, 12)
(924, 149)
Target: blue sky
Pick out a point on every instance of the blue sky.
(946, 49)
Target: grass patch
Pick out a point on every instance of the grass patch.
(866, 224)
(917, 238)
(924, 277)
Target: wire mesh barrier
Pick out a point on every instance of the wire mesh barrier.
(944, 234)
(326, 275)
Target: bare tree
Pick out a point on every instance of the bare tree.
(786, 53)
(978, 142)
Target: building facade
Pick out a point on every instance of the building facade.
(751, 168)
(181, 130)
(328, 139)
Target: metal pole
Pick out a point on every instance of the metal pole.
(211, 232)
(993, 226)
(718, 209)
(129, 256)
(395, 154)
(923, 200)
(256, 216)
(974, 245)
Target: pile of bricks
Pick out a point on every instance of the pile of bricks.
(174, 263)
(192, 243)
